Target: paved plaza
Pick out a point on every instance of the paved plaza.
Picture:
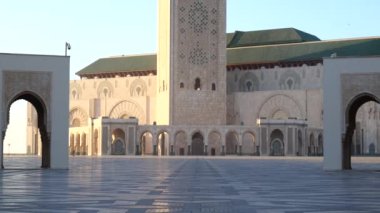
(149, 184)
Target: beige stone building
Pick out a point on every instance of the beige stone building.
(211, 93)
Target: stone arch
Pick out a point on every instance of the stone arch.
(283, 103)
(105, 89)
(350, 114)
(71, 144)
(78, 117)
(138, 88)
(214, 146)
(146, 143)
(83, 144)
(312, 145)
(232, 142)
(249, 143)
(290, 79)
(249, 82)
(320, 144)
(277, 143)
(197, 143)
(300, 144)
(163, 143)
(75, 91)
(95, 142)
(180, 143)
(127, 109)
(118, 146)
(42, 123)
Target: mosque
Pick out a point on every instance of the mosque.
(210, 93)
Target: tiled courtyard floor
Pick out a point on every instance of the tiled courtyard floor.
(231, 184)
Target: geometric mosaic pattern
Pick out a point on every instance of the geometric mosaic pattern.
(151, 184)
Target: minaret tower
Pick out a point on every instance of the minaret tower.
(191, 62)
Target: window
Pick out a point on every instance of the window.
(213, 87)
(197, 85)
(181, 85)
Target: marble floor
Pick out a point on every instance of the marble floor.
(150, 184)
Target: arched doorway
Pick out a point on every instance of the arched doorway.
(320, 145)
(180, 144)
(232, 142)
(146, 143)
(372, 149)
(351, 111)
(248, 144)
(214, 143)
(300, 144)
(95, 142)
(40, 108)
(163, 143)
(71, 145)
(118, 142)
(277, 143)
(197, 144)
(312, 145)
(84, 144)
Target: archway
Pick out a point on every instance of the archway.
(197, 144)
(118, 142)
(180, 144)
(300, 144)
(277, 143)
(163, 143)
(71, 145)
(351, 111)
(311, 150)
(214, 143)
(40, 108)
(232, 142)
(84, 144)
(320, 145)
(146, 143)
(95, 142)
(249, 144)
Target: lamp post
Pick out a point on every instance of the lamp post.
(67, 47)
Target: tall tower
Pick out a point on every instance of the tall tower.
(191, 87)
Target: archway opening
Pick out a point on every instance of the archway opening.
(351, 114)
(163, 144)
(320, 145)
(180, 144)
(214, 144)
(37, 138)
(300, 151)
(312, 149)
(277, 143)
(249, 144)
(232, 142)
(146, 145)
(118, 146)
(197, 144)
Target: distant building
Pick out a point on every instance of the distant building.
(211, 93)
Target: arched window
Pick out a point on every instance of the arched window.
(181, 85)
(197, 85)
(213, 87)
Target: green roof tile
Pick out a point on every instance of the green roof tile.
(244, 48)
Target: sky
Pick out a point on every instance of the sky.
(103, 28)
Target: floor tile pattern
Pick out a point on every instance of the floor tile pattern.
(149, 184)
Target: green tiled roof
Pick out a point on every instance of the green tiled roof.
(265, 37)
(245, 48)
(121, 64)
(306, 51)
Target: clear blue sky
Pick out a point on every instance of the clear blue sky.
(102, 28)
(115, 27)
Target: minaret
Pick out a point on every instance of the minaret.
(191, 87)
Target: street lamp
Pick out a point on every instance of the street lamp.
(67, 47)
